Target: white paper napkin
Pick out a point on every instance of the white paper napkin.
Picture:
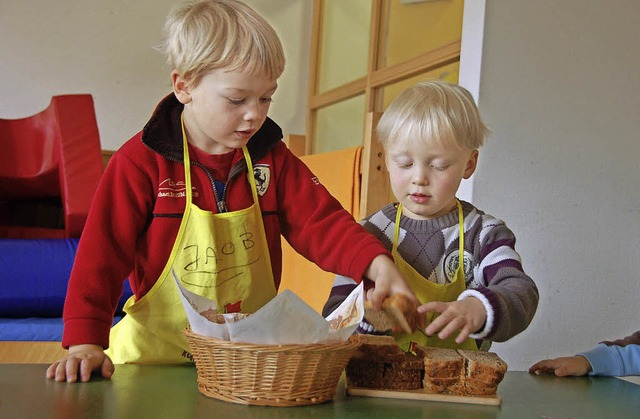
(284, 320)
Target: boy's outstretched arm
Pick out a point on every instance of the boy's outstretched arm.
(79, 363)
(606, 360)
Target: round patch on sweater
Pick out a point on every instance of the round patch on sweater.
(451, 263)
(262, 175)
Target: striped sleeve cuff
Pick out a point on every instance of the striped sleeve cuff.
(488, 324)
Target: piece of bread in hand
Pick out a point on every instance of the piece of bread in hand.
(398, 313)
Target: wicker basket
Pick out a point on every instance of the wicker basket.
(268, 375)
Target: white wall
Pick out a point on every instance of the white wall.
(559, 89)
(105, 48)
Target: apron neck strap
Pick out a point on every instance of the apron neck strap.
(252, 179)
(187, 161)
(461, 234)
(187, 166)
(396, 230)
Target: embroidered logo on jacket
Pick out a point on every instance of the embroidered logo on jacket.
(262, 175)
(168, 188)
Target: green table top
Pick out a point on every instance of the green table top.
(166, 391)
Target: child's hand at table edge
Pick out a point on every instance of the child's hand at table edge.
(79, 363)
(565, 366)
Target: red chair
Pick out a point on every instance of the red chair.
(50, 165)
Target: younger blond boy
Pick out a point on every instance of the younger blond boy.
(472, 294)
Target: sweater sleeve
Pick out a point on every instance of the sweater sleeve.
(510, 295)
(633, 339)
(614, 360)
(342, 287)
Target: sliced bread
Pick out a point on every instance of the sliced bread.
(441, 362)
(461, 372)
(380, 364)
(401, 374)
(483, 368)
(378, 347)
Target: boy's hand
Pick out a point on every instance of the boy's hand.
(81, 361)
(562, 367)
(388, 280)
(467, 315)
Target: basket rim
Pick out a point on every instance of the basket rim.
(332, 345)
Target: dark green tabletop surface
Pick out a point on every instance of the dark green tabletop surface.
(171, 392)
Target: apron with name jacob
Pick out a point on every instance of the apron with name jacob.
(427, 291)
(223, 257)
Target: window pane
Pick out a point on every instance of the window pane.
(416, 27)
(345, 42)
(340, 126)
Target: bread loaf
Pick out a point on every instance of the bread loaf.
(405, 374)
(483, 372)
(441, 362)
(443, 370)
(381, 364)
(377, 347)
(461, 372)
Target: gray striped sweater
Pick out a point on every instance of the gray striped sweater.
(493, 268)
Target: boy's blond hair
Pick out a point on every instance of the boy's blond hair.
(433, 111)
(200, 36)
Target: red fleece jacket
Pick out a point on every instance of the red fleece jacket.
(136, 213)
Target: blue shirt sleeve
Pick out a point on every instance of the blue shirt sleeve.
(614, 360)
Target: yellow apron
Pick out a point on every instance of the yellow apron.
(427, 291)
(223, 257)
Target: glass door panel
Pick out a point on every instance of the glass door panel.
(340, 126)
(344, 45)
(416, 27)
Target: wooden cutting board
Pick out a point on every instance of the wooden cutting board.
(421, 394)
